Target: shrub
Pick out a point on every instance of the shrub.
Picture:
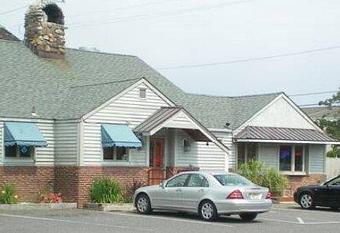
(106, 190)
(334, 153)
(8, 194)
(264, 176)
(131, 189)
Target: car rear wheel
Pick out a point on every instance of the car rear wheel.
(143, 204)
(248, 217)
(306, 201)
(207, 211)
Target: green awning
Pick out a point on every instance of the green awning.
(23, 134)
(119, 135)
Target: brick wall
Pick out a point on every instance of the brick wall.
(29, 181)
(124, 175)
(296, 181)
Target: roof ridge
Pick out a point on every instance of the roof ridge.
(101, 52)
(105, 83)
(233, 97)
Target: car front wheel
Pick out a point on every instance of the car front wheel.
(143, 204)
(306, 201)
(207, 211)
(248, 217)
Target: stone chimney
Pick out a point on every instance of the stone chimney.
(45, 31)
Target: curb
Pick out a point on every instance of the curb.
(30, 206)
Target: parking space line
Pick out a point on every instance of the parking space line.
(170, 219)
(278, 220)
(74, 222)
(300, 220)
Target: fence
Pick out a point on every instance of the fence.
(332, 167)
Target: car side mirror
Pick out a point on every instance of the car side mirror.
(162, 184)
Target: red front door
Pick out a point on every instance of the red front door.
(157, 153)
(156, 172)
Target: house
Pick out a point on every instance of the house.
(68, 116)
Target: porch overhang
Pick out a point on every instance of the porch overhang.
(177, 118)
(283, 135)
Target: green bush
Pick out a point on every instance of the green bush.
(264, 176)
(106, 190)
(7, 194)
(334, 153)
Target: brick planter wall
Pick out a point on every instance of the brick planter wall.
(28, 180)
(296, 181)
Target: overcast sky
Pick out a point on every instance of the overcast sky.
(176, 33)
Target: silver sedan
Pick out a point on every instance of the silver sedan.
(208, 194)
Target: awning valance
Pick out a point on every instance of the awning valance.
(23, 134)
(119, 135)
(283, 135)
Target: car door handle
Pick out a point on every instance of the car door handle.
(178, 190)
(201, 190)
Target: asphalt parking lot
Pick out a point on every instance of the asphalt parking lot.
(282, 218)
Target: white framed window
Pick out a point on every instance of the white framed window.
(115, 154)
(246, 152)
(19, 152)
(292, 158)
(142, 93)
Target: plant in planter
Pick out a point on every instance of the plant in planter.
(51, 198)
(8, 194)
(106, 190)
(130, 190)
(264, 176)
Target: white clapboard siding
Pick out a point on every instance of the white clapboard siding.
(281, 114)
(1, 142)
(45, 155)
(180, 121)
(66, 143)
(129, 109)
(268, 153)
(317, 159)
(206, 157)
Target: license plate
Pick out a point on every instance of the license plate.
(255, 196)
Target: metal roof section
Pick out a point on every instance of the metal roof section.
(162, 118)
(282, 135)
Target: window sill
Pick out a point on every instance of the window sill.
(19, 161)
(288, 173)
(115, 163)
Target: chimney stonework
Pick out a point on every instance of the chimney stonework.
(45, 39)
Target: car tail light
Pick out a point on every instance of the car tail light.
(269, 195)
(235, 195)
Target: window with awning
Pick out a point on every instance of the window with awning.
(116, 141)
(21, 138)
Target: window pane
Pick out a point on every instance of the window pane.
(121, 153)
(285, 158)
(232, 180)
(299, 158)
(11, 151)
(108, 152)
(241, 154)
(197, 180)
(179, 181)
(251, 151)
(335, 182)
(26, 151)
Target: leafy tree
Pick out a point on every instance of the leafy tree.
(331, 127)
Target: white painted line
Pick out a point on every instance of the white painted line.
(300, 220)
(74, 222)
(277, 220)
(170, 219)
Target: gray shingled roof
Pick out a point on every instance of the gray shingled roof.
(329, 113)
(70, 88)
(285, 134)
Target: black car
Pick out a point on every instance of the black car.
(327, 194)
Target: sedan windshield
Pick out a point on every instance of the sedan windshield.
(232, 180)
